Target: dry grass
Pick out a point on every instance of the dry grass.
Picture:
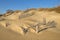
(56, 9)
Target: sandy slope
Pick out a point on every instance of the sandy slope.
(11, 27)
(10, 35)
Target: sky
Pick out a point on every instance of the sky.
(26, 4)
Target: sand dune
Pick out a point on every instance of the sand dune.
(32, 24)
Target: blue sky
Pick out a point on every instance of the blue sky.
(25, 4)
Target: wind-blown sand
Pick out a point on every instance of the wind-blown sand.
(20, 25)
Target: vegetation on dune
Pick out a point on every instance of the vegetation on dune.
(0, 14)
(56, 9)
(8, 12)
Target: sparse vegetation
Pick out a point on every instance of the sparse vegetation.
(26, 15)
(7, 24)
(17, 11)
(56, 9)
(29, 10)
(9, 11)
(0, 15)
